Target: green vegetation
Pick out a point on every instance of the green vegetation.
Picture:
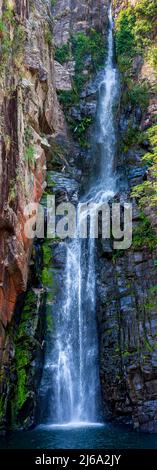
(8, 13)
(47, 277)
(49, 320)
(116, 255)
(63, 53)
(80, 129)
(135, 29)
(18, 45)
(151, 303)
(152, 57)
(22, 359)
(12, 38)
(139, 93)
(135, 33)
(131, 137)
(56, 156)
(125, 354)
(81, 48)
(68, 99)
(125, 40)
(48, 35)
(47, 254)
(29, 154)
(29, 332)
(144, 234)
(147, 346)
(28, 309)
(47, 280)
(27, 344)
(84, 46)
(5, 44)
(146, 192)
(23, 354)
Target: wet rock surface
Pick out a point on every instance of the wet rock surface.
(126, 287)
(127, 326)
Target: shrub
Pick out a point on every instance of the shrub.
(63, 54)
(125, 40)
(144, 234)
(139, 94)
(135, 27)
(87, 45)
(80, 129)
(146, 9)
(68, 98)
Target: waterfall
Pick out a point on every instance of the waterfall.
(74, 356)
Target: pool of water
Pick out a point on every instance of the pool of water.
(83, 437)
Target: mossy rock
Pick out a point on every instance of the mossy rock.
(29, 318)
(28, 356)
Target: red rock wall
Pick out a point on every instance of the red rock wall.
(28, 101)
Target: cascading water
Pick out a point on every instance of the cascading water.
(73, 359)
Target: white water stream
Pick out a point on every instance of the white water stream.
(75, 356)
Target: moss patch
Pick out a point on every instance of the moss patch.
(27, 346)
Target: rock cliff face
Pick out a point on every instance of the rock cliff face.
(73, 17)
(128, 280)
(29, 108)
